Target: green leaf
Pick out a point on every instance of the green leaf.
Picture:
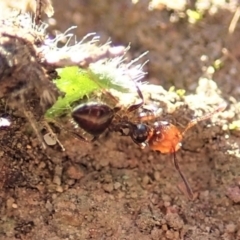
(75, 83)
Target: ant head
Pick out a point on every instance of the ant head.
(139, 133)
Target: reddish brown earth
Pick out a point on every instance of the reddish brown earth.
(111, 189)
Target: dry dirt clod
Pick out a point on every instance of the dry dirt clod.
(75, 172)
(234, 194)
(231, 228)
(108, 187)
(117, 185)
(85, 209)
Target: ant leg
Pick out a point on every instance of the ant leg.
(176, 165)
(94, 139)
(78, 136)
(132, 107)
(207, 116)
(108, 93)
(148, 115)
(81, 138)
(137, 105)
(120, 127)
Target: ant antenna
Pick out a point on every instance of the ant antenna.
(176, 165)
(38, 12)
(207, 116)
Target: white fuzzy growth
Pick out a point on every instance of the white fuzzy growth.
(120, 72)
(104, 60)
(25, 23)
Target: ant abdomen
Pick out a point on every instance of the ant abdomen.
(93, 117)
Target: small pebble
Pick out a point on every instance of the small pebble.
(54, 196)
(14, 205)
(176, 235)
(19, 145)
(234, 194)
(104, 162)
(49, 206)
(107, 178)
(59, 189)
(57, 180)
(231, 228)
(42, 165)
(164, 227)
(166, 198)
(10, 202)
(70, 182)
(117, 185)
(49, 139)
(121, 194)
(58, 170)
(157, 175)
(145, 180)
(169, 234)
(134, 195)
(204, 194)
(75, 172)
(167, 204)
(108, 187)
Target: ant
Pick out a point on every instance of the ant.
(163, 137)
(95, 118)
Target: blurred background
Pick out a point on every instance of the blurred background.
(184, 37)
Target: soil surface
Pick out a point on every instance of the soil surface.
(112, 189)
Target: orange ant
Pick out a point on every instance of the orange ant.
(162, 136)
